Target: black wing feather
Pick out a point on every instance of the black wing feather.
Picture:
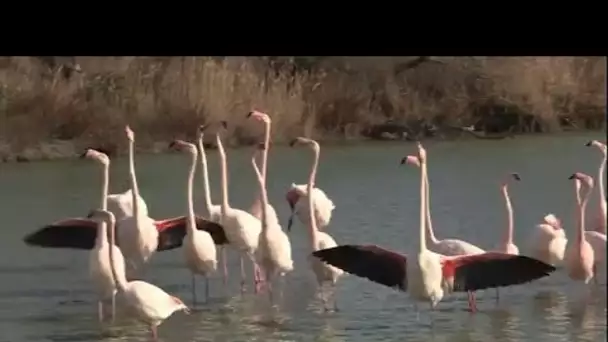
(63, 236)
(483, 273)
(369, 261)
(173, 237)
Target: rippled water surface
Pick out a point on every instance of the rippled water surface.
(45, 295)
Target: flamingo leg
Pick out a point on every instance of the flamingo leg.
(113, 306)
(595, 281)
(206, 289)
(193, 290)
(472, 304)
(100, 311)
(242, 274)
(225, 268)
(335, 298)
(154, 333)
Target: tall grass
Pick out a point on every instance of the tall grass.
(165, 97)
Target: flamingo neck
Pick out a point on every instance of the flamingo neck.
(422, 245)
(582, 205)
(121, 282)
(263, 194)
(133, 180)
(602, 193)
(427, 204)
(205, 172)
(102, 231)
(312, 227)
(509, 234)
(224, 171)
(191, 222)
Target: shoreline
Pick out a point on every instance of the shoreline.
(72, 149)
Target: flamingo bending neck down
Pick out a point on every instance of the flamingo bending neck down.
(242, 229)
(255, 208)
(99, 260)
(579, 254)
(274, 249)
(148, 302)
(199, 249)
(214, 211)
(426, 276)
(325, 273)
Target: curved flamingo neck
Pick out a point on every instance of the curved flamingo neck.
(509, 233)
(224, 167)
(191, 222)
(263, 193)
(423, 201)
(582, 205)
(267, 128)
(427, 204)
(312, 227)
(102, 231)
(121, 282)
(133, 180)
(205, 172)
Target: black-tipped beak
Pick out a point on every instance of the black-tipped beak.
(516, 176)
(293, 142)
(403, 160)
(261, 146)
(202, 128)
(249, 115)
(573, 176)
(91, 214)
(290, 223)
(589, 143)
(224, 124)
(84, 154)
(172, 145)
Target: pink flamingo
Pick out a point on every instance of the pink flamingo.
(601, 224)
(579, 254)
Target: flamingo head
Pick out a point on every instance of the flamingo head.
(200, 132)
(580, 177)
(96, 155)
(130, 134)
(101, 215)
(292, 197)
(413, 160)
(514, 176)
(597, 144)
(421, 152)
(553, 221)
(180, 145)
(259, 116)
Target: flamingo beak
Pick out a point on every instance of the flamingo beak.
(516, 176)
(290, 222)
(589, 143)
(404, 160)
(249, 114)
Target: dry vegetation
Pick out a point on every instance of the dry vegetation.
(332, 97)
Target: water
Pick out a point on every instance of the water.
(45, 295)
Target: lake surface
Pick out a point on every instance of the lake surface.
(45, 294)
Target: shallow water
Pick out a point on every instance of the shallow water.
(45, 295)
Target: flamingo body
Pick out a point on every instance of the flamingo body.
(455, 247)
(324, 272)
(242, 230)
(323, 206)
(150, 303)
(137, 239)
(548, 241)
(121, 204)
(579, 261)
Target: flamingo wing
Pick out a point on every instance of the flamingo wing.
(368, 261)
(72, 233)
(171, 232)
(491, 270)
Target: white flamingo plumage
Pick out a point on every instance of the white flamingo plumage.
(199, 248)
(149, 303)
(256, 209)
(548, 241)
(507, 245)
(121, 204)
(273, 254)
(242, 229)
(325, 274)
(99, 260)
(297, 198)
(597, 237)
(579, 256)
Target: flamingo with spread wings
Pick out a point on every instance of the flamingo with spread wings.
(426, 275)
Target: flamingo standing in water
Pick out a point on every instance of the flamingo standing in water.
(506, 245)
(214, 211)
(273, 254)
(326, 274)
(597, 237)
(99, 260)
(427, 276)
(579, 254)
(242, 229)
(255, 208)
(199, 249)
(148, 302)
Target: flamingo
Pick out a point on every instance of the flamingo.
(99, 262)
(273, 254)
(199, 249)
(506, 245)
(242, 229)
(121, 204)
(148, 302)
(255, 208)
(548, 241)
(214, 211)
(579, 254)
(428, 275)
(326, 274)
(597, 237)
